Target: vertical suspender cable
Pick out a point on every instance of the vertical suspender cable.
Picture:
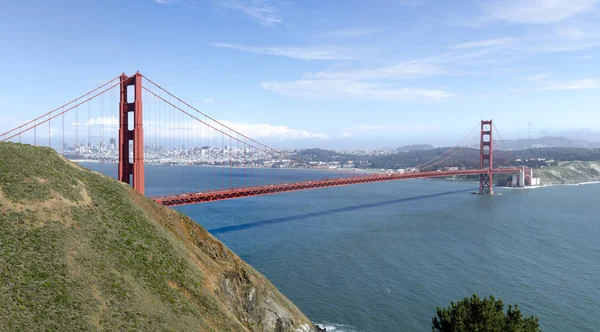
(77, 131)
(229, 148)
(49, 145)
(244, 160)
(198, 151)
(224, 160)
(238, 155)
(63, 134)
(101, 145)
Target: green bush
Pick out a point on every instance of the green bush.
(478, 315)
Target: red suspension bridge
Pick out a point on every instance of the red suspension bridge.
(133, 122)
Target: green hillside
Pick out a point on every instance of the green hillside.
(81, 251)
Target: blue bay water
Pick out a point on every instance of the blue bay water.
(382, 256)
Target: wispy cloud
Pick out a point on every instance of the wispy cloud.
(262, 11)
(389, 129)
(556, 46)
(583, 84)
(545, 82)
(371, 131)
(377, 83)
(411, 3)
(260, 131)
(536, 11)
(537, 78)
(484, 43)
(503, 49)
(396, 72)
(303, 53)
(208, 100)
(350, 33)
(346, 89)
(105, 121)
(570, 32)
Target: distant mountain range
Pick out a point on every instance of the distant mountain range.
(546, 142)
(520, 144)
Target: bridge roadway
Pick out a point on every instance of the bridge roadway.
(219, 195)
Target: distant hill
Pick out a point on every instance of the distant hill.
(80, 251)
(414, 147)
(547, 142)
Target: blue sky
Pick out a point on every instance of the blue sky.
(321, 73)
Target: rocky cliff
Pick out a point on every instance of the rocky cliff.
(569, 172)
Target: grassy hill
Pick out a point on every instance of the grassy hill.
(81, 251)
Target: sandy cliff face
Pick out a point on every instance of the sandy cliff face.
(81, 251)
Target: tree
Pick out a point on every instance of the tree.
(474, 314)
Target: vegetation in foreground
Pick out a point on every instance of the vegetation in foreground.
(80, 251)
(475, 315)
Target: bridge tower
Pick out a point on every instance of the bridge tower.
(486, 158)
(131, 170)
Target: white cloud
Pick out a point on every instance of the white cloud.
(260, 131)
(554, 46)
(411, 3)
(263, 11)
(347, 89)
(537, 11)
(390, 129)
(537, 78)
(364, 84)
(401, 71)
(106, 121)
(208, 100)
(303, 53)
(260, 10)
(546, 83)
(350, 33)
(583, 84)
(570, 32)
(485, 43)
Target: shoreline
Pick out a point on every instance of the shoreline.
(346, 171)
(552, 185)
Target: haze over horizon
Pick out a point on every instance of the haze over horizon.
(341, 74)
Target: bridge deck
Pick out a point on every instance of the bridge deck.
(218, 195)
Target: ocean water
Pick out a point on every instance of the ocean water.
(383, 256)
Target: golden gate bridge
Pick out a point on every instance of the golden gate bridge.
(144, 115)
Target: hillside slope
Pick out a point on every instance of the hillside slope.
(81, 251)
(569, 172)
